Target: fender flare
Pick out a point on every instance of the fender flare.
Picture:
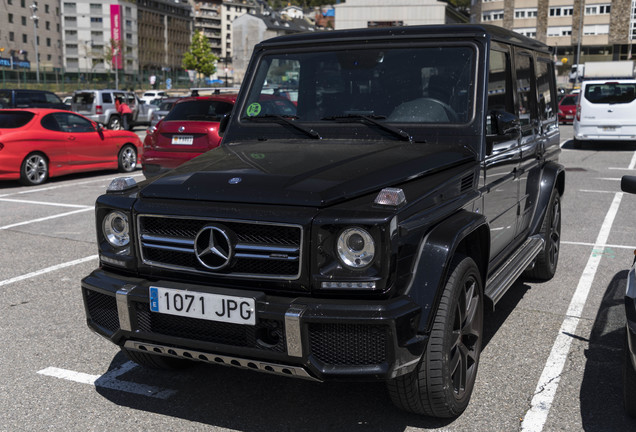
(553, 177)
(435, 252)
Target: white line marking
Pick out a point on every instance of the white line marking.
(109, 380)
(608, 178)
(620, 169)
(44, 203)
(596, 191)
(546, 388)
(68, 184)
(46, 218)
(632, 164)
(47, 270)
(596, 246)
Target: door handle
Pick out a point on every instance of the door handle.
(71, 138)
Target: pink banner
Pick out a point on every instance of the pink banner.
(115, 35)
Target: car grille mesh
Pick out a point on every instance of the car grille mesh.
(348, 344)
(266, 335)
(260, 250)
(102, 309)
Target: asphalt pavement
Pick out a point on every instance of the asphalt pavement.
(551, 360)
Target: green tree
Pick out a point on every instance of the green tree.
(200, 57)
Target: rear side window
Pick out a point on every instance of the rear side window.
(107, 98)
(28, 99)
(610, 93)
(199, 110)
(525, 90)
(83, 98)
(52, 98)
(545, 74)
(14, 119)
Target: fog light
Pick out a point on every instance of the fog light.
(347, 285)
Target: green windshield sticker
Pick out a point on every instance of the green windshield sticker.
(257, 155)
(254, 109)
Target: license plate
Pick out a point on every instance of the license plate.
(569, 116)
(608, 128)
(213, 307)
(182, 139)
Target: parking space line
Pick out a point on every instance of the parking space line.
(46, 218)
(44, 203)
(47, 270)
(545, 391)
(597, 246)
(110, 381)
(69, 184)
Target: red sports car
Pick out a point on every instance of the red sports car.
(190, 128)
(39, 143)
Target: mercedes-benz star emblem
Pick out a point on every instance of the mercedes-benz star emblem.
(213, 248)
(181, 128)
(235, 180)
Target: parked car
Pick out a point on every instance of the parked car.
(606, 111)
(99, 106)
(163, 108)
(189, 129)
(567, 108)
(359, 234)
(145, 113)
(22, 98)
(38, 143)
(151, 95)
(628, 184)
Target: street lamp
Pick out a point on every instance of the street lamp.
(35, 18)
(578, 48)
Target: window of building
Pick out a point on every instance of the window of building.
(96, 8)
(47, 25)
(46, 8)
(24, 38)
(492, 15)
(560, 31)
(11, 36)
(23, 3)
(10, 2)
(70, 7)
(70, 21)
(96, 20)
(526, 13)
(10, 18)
(599, 9)
(557, 11)
(48, 42)
(23, 20)
(528, 31)
(596, 29)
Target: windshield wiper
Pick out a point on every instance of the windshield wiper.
(374, 121)
(287, 120)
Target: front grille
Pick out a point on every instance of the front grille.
(260, 250)
(102, 309)
(266, 334)
(348, 344)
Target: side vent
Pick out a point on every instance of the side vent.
(466, 183)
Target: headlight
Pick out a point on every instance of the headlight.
(116, 229)
(356, 248)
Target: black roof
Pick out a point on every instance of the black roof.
(411, 32)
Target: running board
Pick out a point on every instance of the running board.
(509, 272)
(241, 363)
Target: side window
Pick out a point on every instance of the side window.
(546, 91)
(499, 85)
(525, 88)
(49, 122)
(52, 98)
(107, 98)
(73, 123)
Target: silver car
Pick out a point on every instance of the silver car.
(99, 106)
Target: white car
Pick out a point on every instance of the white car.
(151, 95)
(606, 110)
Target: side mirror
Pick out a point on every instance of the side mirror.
(223, 125)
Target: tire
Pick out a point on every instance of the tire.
(546, 263)
(114, 123)
(443, 381)
(156, 361)
(629, 383)
(34, 170)
(127, 159)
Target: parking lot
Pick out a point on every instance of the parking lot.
(551, 360)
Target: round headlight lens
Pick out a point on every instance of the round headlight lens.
(116, 229)
(356, 248)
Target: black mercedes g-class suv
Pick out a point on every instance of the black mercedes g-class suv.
(357, 233)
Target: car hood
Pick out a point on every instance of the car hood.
(307, 173)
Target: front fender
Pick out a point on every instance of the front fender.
(553, 177)
(464, 232)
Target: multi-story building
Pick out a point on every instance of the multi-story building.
(605, 28)
(208, 19)
(17, 35)
(165, 30)
(100, 37)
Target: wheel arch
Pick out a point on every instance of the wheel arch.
(466, 233)
(553, 177)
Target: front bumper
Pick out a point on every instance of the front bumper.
(319, 339)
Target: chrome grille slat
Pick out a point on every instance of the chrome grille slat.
(262, 250)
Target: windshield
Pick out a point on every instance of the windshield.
(394, 85)
(610, 93)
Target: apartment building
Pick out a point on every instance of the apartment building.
(605, 28)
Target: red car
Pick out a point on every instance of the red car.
(190, 128)
(567, 108)
(39, 143)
